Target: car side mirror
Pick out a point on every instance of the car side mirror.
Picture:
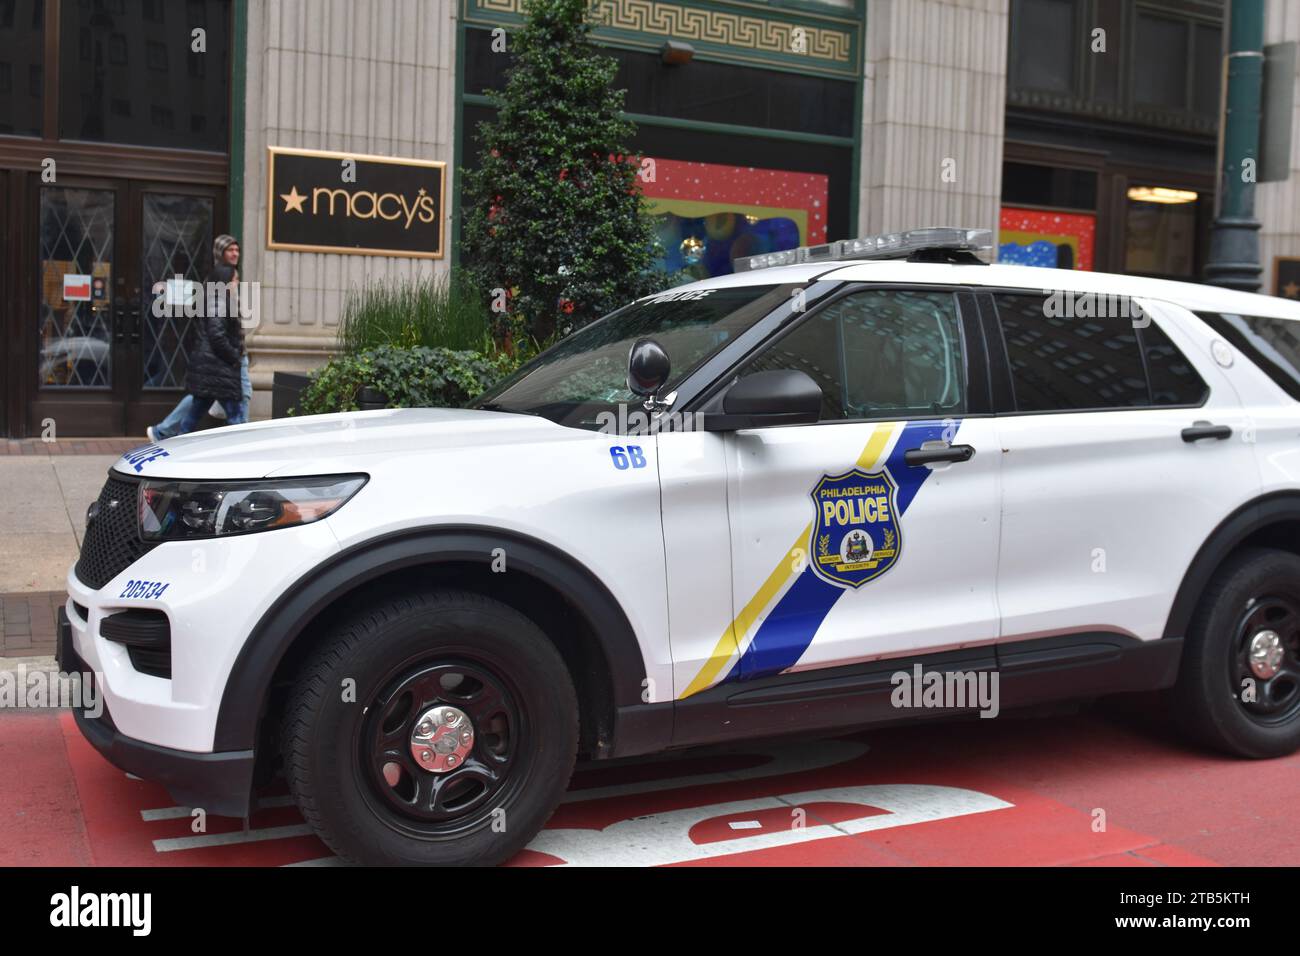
(647, 368)
(779, 397)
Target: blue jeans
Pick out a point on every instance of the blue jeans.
(198, 406)
(170, 426)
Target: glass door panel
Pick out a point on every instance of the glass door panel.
(76, 280)
(176, 240)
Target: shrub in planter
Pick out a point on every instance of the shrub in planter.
(436, 311)
(409, 377)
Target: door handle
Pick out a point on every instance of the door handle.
(1198, 430)
(916, 457)
(134, 311)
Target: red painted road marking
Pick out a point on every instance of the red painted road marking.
(730, 826)
(112, 805)
(40, 815)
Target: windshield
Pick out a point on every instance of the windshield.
(586, 374)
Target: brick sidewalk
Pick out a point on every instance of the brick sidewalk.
(70, 446)
(27, 623)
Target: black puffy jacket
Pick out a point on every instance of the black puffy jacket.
(214, 356)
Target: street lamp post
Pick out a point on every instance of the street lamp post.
(1234, 238)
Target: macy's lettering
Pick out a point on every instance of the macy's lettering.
(364, 204)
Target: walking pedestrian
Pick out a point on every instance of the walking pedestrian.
(184, 418)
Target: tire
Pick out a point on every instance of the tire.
(1255, 593)
(354, 768)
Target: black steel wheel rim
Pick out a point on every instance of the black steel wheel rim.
(422, 803)
(1274, 699)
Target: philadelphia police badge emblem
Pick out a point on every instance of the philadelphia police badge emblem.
(856, 536)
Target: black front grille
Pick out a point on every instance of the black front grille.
(112, 542)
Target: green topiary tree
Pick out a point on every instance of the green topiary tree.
(554, 215)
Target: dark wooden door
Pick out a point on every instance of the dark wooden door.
(173, 239)
(78, 308)
(117, 262)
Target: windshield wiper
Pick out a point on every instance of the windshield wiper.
(498, 407)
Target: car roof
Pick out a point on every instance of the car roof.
(1190, 295)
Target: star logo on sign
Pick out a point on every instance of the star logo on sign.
(293, 200)
(1291, 290)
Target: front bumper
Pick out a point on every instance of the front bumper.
(218, 783)
(213, 593)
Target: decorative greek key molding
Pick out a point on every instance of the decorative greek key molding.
(824, 44)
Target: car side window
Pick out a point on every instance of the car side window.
(1272, 344)
(1063, 362)
(878, 353)
(1173, 380)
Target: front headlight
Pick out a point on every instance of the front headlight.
(181, 510)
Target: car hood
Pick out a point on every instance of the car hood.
(318, 444)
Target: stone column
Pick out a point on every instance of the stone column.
(367, 76)
(933, 113)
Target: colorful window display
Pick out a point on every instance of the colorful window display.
(1057, 240)
(708, 214)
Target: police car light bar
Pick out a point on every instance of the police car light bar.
(891, 245)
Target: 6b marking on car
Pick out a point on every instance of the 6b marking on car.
(633, 456)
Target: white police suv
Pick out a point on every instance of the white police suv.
(734, 509)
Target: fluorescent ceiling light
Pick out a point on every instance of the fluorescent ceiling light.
(1161, 194)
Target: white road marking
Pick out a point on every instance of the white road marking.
(320, 861)
(658, 839)
(174, 813)
(228, 839)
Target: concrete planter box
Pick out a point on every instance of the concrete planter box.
(286, 387)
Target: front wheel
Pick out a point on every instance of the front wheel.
(1239, 683)
(439, 727)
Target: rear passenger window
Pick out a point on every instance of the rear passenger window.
(1272, 344)
(1061, 361)
(1173, 380)
(880, 353)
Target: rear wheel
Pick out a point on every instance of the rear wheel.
(439, 727)
(1239, 682)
